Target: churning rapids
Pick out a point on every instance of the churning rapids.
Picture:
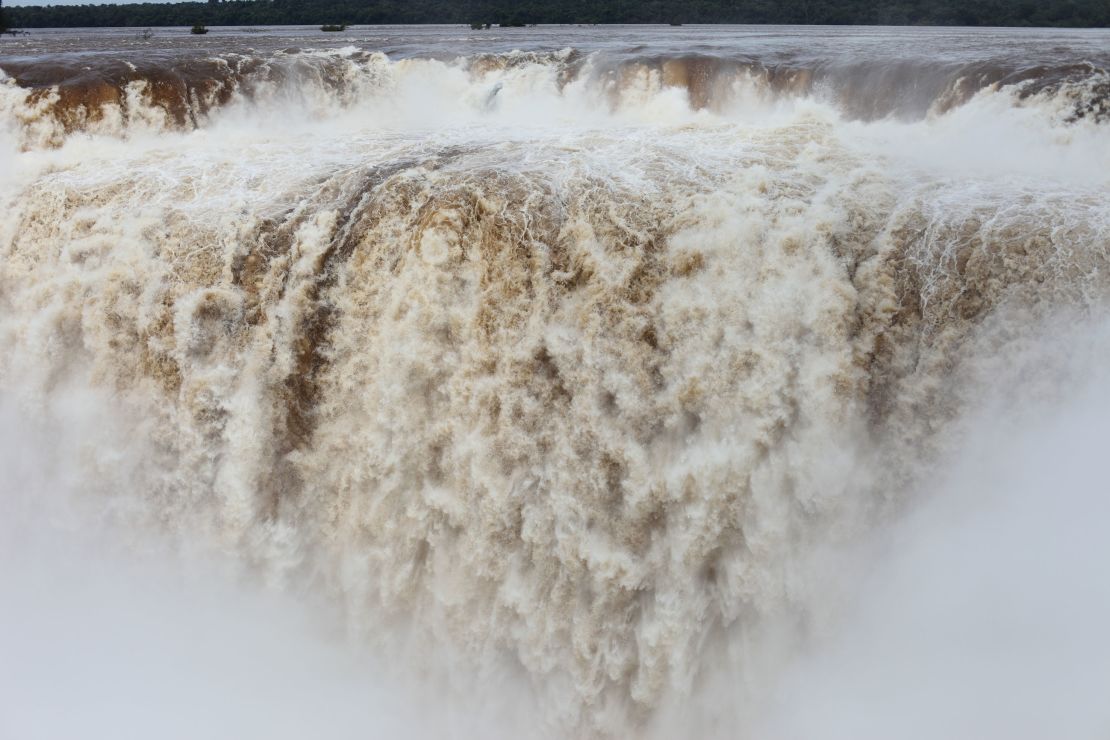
(595, 379)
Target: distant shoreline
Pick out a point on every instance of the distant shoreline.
(946, 13)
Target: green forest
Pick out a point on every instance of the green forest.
(1075, 13)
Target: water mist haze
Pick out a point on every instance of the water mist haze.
(727, 383)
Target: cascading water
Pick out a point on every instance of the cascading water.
(571, 357)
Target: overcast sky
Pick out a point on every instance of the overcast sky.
(13, 3)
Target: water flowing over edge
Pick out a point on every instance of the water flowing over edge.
(589, 396)
(50, 100)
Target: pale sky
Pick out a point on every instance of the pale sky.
(13, 3)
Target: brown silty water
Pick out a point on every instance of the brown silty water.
(565, 345)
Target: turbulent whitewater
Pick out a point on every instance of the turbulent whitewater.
(568, 348)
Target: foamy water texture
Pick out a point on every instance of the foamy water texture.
(722, 383)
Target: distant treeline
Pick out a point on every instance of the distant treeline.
(520, 12)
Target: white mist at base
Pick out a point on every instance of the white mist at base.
(981, 613)
(984, 612)
(106, 634)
